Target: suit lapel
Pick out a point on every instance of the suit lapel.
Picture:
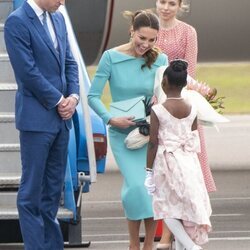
(39, 27)
(56, 26)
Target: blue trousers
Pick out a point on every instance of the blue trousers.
(44, 159)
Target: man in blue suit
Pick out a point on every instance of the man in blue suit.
(48, 92)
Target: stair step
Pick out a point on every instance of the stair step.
(8, 86)
(6, 71)
(7, 97)
(2, 43)
(7, 117)
(12, 147)
(7, 83)
(8, 208)
(6, 7)
(9, 180)
(8, 132)
(10, 160)
(11, 213)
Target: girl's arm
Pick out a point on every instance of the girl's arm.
(153, 140)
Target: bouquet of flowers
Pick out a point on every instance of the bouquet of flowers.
(208, 92)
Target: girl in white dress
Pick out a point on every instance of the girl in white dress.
(174, 176)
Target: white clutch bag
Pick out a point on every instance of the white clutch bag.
(135, 139)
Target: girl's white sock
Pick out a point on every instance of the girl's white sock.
(184, 241)
(196, 247)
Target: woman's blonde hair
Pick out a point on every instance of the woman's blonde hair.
(145, 18)
(184, 7)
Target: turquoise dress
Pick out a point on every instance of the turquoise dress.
(127, 80)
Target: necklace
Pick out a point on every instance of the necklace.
(174, 98)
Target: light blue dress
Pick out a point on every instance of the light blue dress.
(127, 80)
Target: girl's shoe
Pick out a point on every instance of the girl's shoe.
(196, 247)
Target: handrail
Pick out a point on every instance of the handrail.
(83, 76)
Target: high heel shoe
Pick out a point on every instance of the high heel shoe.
(164, 246)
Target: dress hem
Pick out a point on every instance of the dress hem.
(143, 218)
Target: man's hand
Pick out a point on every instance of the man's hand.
(66, 107)
(149, 182)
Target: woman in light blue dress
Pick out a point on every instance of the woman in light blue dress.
(130, 70)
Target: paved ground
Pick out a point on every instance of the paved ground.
(105, 226)
(229, 147)
(104, 223)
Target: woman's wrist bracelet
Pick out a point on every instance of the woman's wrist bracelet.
(149, 169)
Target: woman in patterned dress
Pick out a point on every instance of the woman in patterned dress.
(130, 70)
(178, 39)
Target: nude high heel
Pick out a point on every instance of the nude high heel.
(163, 246)
(166, 246)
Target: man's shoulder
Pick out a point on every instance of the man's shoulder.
(16, 17)
(16, 13)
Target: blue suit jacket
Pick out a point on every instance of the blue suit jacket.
(42, 73)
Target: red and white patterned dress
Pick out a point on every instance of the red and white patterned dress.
(181, 42)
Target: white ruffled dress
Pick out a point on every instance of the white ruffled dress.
(180, 189)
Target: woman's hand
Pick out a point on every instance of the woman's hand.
(122, 122)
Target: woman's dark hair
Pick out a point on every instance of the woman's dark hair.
(145, 18)
(176, 73)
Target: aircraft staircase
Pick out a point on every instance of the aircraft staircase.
(10, 164)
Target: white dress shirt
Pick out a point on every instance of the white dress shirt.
(39, 13)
